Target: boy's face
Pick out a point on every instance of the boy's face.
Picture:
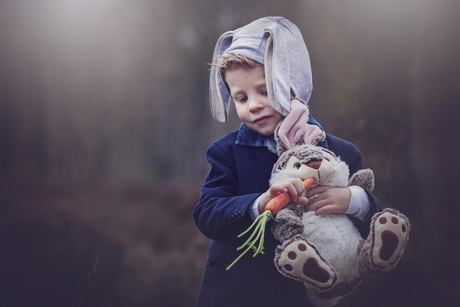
(248, 89)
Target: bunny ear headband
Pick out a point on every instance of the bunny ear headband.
(274, 42)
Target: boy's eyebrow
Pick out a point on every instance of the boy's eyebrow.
(261, 85)
(237, 93)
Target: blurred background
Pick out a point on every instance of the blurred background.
(104, 124)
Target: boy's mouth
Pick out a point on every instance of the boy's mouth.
(261, 120)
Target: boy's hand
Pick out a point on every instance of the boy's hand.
(329, 200)
(293, 186)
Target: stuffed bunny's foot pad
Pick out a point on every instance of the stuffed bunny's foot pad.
(391, 233)
(299, 260)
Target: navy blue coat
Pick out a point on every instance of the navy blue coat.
(239, 174)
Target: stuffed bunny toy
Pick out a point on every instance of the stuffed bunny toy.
(327, 252)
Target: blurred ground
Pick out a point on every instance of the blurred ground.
(99, 248)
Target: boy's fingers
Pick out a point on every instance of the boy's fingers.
(317, 190)
(299, 186)
(295, 189)
(317, 197)
(322, 207)
(317, 205)
(325, 210)
(277, 189)
(302, 201)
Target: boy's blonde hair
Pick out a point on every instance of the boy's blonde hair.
(228, 62)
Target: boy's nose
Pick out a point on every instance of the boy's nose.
(255, 105)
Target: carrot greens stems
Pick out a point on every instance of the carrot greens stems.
(258, 234)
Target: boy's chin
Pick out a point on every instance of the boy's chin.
(264, 130)
(267, 132)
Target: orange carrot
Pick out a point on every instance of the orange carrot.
(281, 200)
(272, 208)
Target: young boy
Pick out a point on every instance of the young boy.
(261, 66)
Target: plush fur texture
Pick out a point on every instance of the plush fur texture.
(327, 252)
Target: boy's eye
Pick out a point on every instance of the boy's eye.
(264, 93)
(242, 99)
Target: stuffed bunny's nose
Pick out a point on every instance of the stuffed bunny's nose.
(314, 164)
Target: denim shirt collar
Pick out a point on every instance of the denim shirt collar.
(249, 137)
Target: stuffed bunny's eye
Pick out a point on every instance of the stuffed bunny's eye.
(293, 163)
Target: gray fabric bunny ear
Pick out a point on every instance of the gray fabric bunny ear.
(287, 65)
(219, 96)
(274, 42)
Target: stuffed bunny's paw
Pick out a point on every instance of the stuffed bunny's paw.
(299, 260)
(391, 234)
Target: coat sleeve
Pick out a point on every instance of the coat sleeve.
(221, 213)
